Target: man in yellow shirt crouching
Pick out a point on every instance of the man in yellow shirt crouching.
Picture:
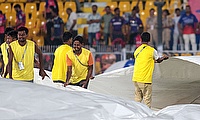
(59, 70)
(80, 64)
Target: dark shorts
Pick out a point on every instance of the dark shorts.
(28, 81)
(80, 84)
(58, 81)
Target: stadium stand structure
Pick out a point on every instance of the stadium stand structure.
(36, 21)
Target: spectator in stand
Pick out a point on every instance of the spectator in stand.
(71, 23)
(198, 35)
(58, 27)
(94, 20)
(117, 26)
(135, 26)
(106, 20)
(187, 26)
(2, 26)
(151, 28)
(20, 17)
(177, 37)
(167, 24)
(48, 29)
(49, 3)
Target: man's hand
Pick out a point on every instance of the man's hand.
(42, 73)
(66, 83)
(165, 57)
(84, 83)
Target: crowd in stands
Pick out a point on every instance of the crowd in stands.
(181, 31)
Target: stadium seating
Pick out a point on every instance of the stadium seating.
(101, 10)
(30, 8)
(13, 1)
(81, 21)
(150, 5)
(22, 1)
(64, 16)
(60, 6)
(87, 10)
(143, 16)
(41, 10)
(42, 7)
(39, 40)
(125, 6)
(112, 5)
(30, 23)
(71, 5)
(103, 0)
(80, 31)
(11, 17)
(6, 7)
(32, 16)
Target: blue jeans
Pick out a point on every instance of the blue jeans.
(197, 40)
(91, 38)
(106, 38)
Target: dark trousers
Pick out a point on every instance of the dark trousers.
(74, 33)
(132, 40)
(80, 84)
(1, 38)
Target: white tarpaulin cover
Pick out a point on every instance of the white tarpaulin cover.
(24, 101)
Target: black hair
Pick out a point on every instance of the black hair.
(146, 37)
(188, 6)
(167, 11)
(67, 36)
(107, 7)
(23, 29)
(78, 38)
(17, 6)
(152, 9)
(13, 34)
(1, 12)
(177, 9)
(116, 9)
(134, 9)
(55, 10)
(95, 6)
(69, 9)
(8, 29)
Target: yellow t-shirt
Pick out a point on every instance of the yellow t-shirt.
(79, 71)
(144, 64)
(28, 50)
(59, 70)
(4, 50)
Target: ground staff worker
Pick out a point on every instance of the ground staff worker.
(145, 57)
(80, 64)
